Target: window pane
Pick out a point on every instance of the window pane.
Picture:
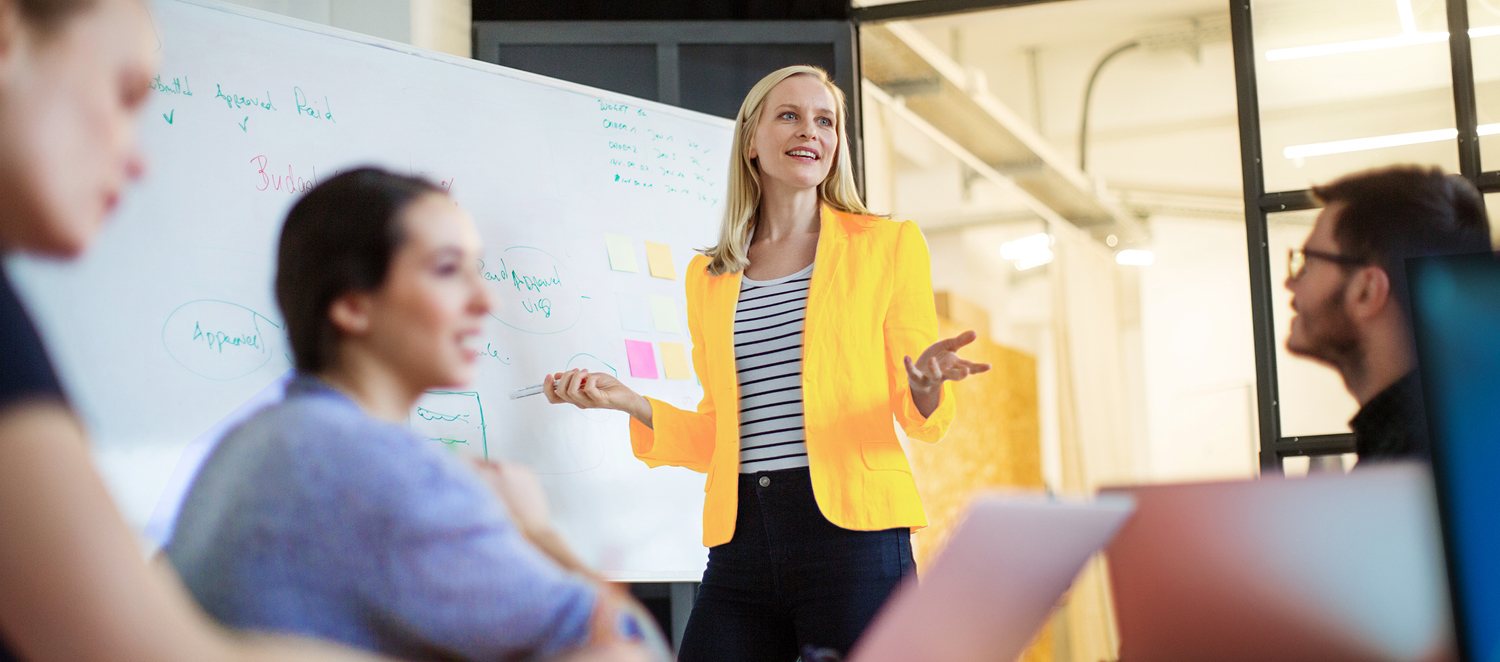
(1484, 35)
(1313, 398)
(1492, 205)
(624, 68)
(716, 77)
(1334, 71)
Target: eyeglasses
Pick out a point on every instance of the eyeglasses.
(1296, 260)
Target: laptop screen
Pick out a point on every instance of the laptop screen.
(1456, 315)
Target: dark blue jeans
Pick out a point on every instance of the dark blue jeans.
(790, 578)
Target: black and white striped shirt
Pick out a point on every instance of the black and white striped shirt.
(768, 357)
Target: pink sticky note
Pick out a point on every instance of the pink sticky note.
(642, 359)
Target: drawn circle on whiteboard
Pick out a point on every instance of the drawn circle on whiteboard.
(218, 340)
(535, 293)
(592, 363)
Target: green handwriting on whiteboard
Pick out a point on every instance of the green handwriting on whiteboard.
(430, 415)
(535, 292)
(234, 101)
(174, 86)
(656, 162)
(313, 109)
(218, 340)
(451, 417)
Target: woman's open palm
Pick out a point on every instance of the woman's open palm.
(941, 363)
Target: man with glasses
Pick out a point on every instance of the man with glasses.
(1348, 285)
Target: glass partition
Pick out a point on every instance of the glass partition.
(1313, 398)
(1484, 42)
(1492, 204)
(1346, 85)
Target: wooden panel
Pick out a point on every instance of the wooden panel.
(962, 313)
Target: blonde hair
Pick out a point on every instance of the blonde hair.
(742, 206)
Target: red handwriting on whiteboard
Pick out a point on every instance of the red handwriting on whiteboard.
(291, 182)
(443, 182)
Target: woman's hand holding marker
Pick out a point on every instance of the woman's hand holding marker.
(595, 390)
(940, 363)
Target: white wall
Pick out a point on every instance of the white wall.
(1200, 363)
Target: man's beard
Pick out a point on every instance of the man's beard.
(1331, 337)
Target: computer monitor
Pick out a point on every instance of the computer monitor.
(1456, 321)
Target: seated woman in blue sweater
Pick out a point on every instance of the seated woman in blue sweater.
(323, 515)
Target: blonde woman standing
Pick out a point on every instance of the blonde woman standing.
(805, 318)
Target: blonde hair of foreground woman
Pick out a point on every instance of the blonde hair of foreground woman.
(741, 208)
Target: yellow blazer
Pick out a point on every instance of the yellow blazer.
(869, 305)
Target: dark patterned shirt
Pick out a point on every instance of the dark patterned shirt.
(1393, 425)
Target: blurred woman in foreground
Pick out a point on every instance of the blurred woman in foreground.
(75, 586)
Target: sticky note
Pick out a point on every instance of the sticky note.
(621, 253)
(659, 257)
(633, 313)
(642, 359)
(674, 361)
(664, 314)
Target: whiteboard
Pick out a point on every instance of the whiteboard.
(167, 332)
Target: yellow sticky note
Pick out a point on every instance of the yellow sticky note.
(674, 361)
(621, 253)
(664, 314)
(659, 256)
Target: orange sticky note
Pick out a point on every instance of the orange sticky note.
(659, 256)
(674, 361)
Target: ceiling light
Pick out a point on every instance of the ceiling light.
(1379, 142)
(1410, 39)
(1034, 261)
(1026, 246)
(1408, 17)
(1406, 39)
(1028, 252)
(1135, 257)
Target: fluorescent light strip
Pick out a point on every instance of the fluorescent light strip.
(1408, 20)
(1407, 39)
(1411, 39)
(1379, 142)
(1359, 144)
